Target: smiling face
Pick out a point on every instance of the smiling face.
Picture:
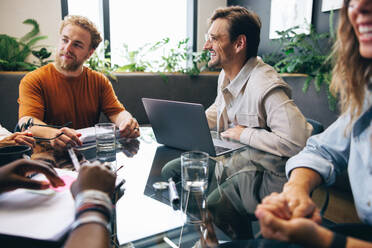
(73, 49)
(219, 45)
(360, 16)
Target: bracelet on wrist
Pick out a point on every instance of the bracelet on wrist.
(89, 220)
(97, 208)
(92, 194)
(94, 197)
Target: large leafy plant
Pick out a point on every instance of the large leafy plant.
(176, 59)
(13, 51)
(102, 63)
(182, 59)
(137, 60)
(309, 54)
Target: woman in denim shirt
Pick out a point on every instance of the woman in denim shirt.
(346, 144)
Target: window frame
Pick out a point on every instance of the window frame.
(191, 29)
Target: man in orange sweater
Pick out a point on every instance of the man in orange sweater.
(66, 91)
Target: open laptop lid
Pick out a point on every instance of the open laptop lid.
(179, 124)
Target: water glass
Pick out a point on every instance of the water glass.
(106, 144)
(194, 174)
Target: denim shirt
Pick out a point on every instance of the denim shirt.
(335, 150)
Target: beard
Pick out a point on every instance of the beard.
(74, 65)
(214, 63)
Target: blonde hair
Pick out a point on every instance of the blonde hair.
(351, 72)
(86, 24)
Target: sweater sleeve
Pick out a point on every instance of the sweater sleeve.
(31, 100)
(110, 103)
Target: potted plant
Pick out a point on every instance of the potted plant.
(174, 75)
(308, 58)
(13, 64)
(14, 52)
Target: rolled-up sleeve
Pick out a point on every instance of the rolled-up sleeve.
(327, 153)
(211, 114)
(287, 130)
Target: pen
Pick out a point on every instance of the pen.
(119, 168)
(74, 159)
(25, 156)
(173, 195)
(169, 242)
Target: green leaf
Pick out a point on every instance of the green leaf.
(35, 30)
(307, 84)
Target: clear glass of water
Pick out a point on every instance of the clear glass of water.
(106, 144)
(194, 171)
(194, 175)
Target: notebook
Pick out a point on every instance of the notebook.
(184, 126)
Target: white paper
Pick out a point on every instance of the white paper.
(143, 216)
(88, 135)
(37, 215)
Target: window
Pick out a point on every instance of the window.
(136, 23)
(91, 9)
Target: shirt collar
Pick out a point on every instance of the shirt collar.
(237, 84)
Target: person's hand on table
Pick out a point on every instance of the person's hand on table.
(296, 230)
(293, 202)
(129, 128)
(14, 175)
(96, 177)
(291, 216)
(69, 138)
(233, 133)
(19, 138)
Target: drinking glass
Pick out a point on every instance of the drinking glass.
(106, 144)
(194, 174)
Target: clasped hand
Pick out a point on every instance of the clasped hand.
(290, 216)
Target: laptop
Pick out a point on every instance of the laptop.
(184, 126)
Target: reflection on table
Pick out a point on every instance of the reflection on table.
(144, 216)
(237, 183)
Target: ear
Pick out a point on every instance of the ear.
(241, 43)
(91, 52)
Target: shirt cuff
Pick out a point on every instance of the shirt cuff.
(314, 162)
(246, 135)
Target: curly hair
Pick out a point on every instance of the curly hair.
(242, 21)
(86, 24)
(351, 72)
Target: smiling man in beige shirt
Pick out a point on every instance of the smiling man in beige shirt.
(253, 103)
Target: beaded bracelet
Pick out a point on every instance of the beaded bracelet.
(92, 194)
(94, 197)
(92, 207)
(89, 219)
(109, 207)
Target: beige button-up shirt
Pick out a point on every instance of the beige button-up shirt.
(260, 100)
